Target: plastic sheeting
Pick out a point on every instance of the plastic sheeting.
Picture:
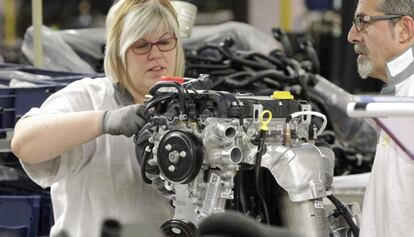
(15, 78)
(86, 41)
(57, 54)
(80, 50)
(245, 36)
(355, 132)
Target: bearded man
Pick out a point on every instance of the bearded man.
(383, 35)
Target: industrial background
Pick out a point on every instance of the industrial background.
(314, 28)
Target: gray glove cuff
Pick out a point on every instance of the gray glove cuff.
(102, 125)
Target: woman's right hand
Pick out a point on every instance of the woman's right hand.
(125, 121)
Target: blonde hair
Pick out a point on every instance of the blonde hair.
(130, 20)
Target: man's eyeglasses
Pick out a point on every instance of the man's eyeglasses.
(164, 45)
(361, 21)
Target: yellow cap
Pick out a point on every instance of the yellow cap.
(263, 123)
(282, 95)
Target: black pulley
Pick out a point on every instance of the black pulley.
(179, 228)
(179, 156)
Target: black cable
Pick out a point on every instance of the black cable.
(145, 163)
(222, 72)
(155, 101)
(272, 60)
(305, 89)
(209, 66)
(235, 224)
(176, 85)
(259, 191)
(282, 37)
(192, 57)
(299, 77)
(196, 94)
(242, 191)
(307, 46)
(343, 211)
(235, 59)
(252, 77)
(288, 119)
(145, 158)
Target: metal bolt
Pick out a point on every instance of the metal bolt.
(171, 168)
(174, 157)
(235, 122)
(168, 147)
(183, 154)
(176, 230)
(153, 162)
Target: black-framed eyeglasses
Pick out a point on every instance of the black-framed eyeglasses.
(163, 44)
(361, 21)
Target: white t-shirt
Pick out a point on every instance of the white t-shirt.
(389, 199)
(100, 179)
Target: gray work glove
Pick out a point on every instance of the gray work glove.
(125, 121)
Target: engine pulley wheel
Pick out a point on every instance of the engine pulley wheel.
(179, 156)
(179, 228)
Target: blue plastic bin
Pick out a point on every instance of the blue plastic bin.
(7, 110)
(26, 98)
(16, 101)
(19, 215)
(46, 219)
(29, 188)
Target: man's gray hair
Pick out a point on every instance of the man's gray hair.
(397, 7)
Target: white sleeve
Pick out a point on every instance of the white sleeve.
(72, 98)
(406, 87)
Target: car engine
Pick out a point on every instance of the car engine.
(210, 151)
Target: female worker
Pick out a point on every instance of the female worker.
(73, 142)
